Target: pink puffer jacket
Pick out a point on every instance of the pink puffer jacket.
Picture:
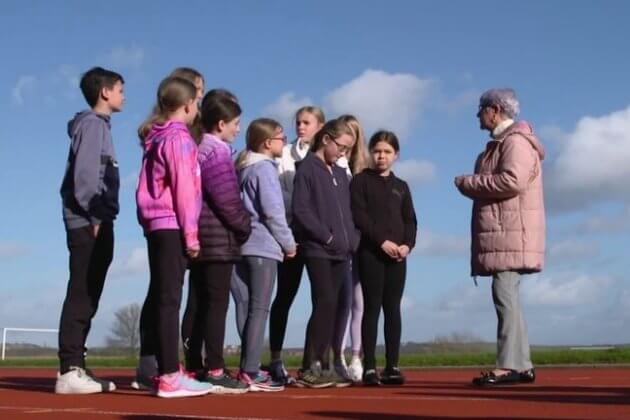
(508, 217)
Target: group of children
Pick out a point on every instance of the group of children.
(327, 202)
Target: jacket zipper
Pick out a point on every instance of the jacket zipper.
(343, 225)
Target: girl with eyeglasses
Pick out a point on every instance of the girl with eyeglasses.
(327, 237)
(270, 242)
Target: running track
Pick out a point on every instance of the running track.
(559, 393)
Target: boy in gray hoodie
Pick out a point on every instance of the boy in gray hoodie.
(89, 194)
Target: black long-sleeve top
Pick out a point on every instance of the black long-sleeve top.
(382, 209)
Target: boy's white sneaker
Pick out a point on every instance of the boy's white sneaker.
(78, 381)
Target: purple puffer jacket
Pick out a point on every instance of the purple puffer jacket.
(224, 224)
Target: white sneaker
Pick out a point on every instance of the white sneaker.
(355, 370)
(77, 381)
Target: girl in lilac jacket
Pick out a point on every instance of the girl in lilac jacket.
(168, 199)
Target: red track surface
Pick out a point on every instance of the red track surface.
(575, 393)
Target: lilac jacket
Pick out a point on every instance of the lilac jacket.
(169, 189)
(224, 224)
(508, 218)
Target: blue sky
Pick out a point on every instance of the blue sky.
(415, 67)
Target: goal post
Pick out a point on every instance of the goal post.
(7, 329)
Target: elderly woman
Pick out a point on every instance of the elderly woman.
(508, 226)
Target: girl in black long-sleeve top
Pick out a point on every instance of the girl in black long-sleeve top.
(383, 211)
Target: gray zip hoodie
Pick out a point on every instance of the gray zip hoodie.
(89, 191)
(262, 197)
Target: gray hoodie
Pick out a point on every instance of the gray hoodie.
(262, 196)
(89, 191)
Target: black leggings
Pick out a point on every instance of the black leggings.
(289, 278)
(383, 282)
(326, 277)
(204, 317)
(160, 313)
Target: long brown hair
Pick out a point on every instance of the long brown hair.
(173, 93)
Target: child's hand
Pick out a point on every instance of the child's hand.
(290, 255)
(192, 252)
(403, 251)
(95, 229)
(390, 249)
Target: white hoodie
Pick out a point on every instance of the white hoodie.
(291, 153)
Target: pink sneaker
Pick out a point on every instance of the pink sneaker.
(181, 385)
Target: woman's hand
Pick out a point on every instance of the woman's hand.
(390, 249)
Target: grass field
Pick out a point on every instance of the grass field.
(556, 356)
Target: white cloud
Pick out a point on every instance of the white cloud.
(10, 250)
(564, 290)
(441, 245)
(283, 109)
(571, 250)
(391, 101)
(24, 86)
(125, 57)
(136, 262)
(593, 164)
(618, 223)
(415, 172)
(466, 99)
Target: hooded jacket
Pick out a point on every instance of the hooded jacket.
(508, 216)
(89, 191)
(322, 218)
(169, 192)
(224, 224)
(262, 196)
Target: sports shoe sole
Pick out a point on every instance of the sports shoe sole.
(223, 390)
(258, 388)
(305, 384)
(182, 393)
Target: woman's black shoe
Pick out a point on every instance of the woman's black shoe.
(512, 377)
(392, 376)
(370, 378)
(528, 376)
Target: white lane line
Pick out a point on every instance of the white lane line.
(123, 413)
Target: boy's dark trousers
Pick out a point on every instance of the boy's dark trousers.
(90, 258)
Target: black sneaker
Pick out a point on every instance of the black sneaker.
(370, 378)
(392, 376)
(225, 384)
(279, 373)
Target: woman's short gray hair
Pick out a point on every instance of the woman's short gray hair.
(504, 98)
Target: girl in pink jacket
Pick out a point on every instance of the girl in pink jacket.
(169, 201)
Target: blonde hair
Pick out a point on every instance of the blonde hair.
(173, 93)
(258, 132)
(313, 110)
(359, 157)
(192, 75)
(333, 129)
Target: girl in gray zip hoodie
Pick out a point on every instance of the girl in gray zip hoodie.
(270, 242)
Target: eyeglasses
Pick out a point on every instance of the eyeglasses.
(341, 147)
(283, 138)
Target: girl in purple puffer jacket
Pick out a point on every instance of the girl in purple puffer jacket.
(224, 226)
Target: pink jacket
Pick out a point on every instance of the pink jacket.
(508, 217)
(169, 190)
